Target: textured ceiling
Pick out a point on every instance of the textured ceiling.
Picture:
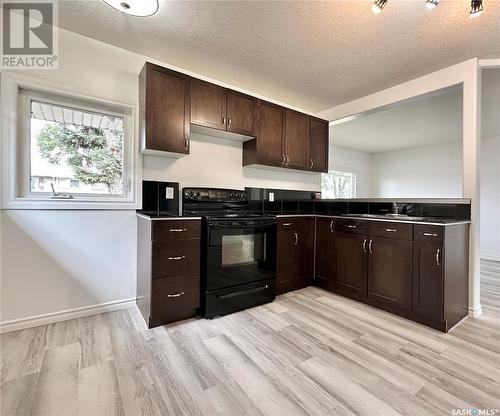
(312, 55)
(426, 120)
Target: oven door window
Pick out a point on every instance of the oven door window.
(239, 250)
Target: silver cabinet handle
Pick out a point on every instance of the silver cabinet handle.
(177, 230)
(370, 246)
(438, 252)
(331, 226)
(312, 163)
(287, 224)
(287, 160)
(175, 295)
(283, 159)
(186, 143)
(296, 238)
(364, 245)
(429, 234)
(391, 230)
(351, 226)
(229, 121)
(177, 258)
(223, 120)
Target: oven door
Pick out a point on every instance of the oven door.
(240, 252)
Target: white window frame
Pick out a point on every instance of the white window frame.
(17, 91)
(345, 170)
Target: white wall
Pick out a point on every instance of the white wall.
(57, 260)
(490, 198)
(350, 160)
(421, 172)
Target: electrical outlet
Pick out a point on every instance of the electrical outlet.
(271, 196)
(169, 193)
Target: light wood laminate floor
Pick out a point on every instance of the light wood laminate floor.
(309, 352)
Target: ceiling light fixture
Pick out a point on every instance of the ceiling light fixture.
(476, 8)
(378, 6)
(432, 4)
(141, 8)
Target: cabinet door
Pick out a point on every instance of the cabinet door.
(208, 104)
(240, 113)
(296, 139)
(287, 264)
(270, 133)
(166, 96)
(351, 263)
(318, 145)
(305, 237)
(390, 271)
(324, 252)
(428, 280)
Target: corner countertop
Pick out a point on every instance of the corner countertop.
(424, 221)
(162, 216)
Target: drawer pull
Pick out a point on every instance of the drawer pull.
(177, 258)
(391, 230)
(438, 252)
(370, 246)
(175, 295)
(177, 230)
(331, 226)
(429, 234)
(364, 245)
(351, 226)
(287, 224)
(296, 239)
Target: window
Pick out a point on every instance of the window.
(83, 147)
(338, 184)
(75, 150)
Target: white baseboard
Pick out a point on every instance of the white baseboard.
(49, 318)
(488, 257)
(475, 312)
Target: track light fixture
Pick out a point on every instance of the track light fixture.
(378, 6)
(432, 4)
(476, 8)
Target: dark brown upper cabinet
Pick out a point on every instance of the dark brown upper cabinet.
(219, 108)
(318, 145)
(208, 104)
(163, 111)
(267, 147)
(296, 139)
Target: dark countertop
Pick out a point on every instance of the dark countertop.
(384, 218)
(161, 215)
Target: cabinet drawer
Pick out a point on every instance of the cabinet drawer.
(289, 224)
(391, 229)
(176, 229)
(351, 226)
(175, 258)
(174, 299)
(430, 233)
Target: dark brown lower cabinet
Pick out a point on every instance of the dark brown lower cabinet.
(428, 280)
(325, 264)
(168, 269)
(417, 271)
(295, 253)
(351, 264)
(390, 272)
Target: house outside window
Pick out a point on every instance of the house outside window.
(338, 184)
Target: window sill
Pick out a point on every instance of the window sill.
(69, 204)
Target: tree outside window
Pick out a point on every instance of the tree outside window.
(338, 184)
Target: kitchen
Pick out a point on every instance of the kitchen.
(69, 272)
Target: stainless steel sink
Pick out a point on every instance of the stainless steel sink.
(387, 216)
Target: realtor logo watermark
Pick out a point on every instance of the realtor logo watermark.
(29, 34)
(474, 412)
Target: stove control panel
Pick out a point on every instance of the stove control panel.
(213, 195)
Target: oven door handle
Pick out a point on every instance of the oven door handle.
(250, 226)
(243, 292)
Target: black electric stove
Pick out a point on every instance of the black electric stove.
(238, 261)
